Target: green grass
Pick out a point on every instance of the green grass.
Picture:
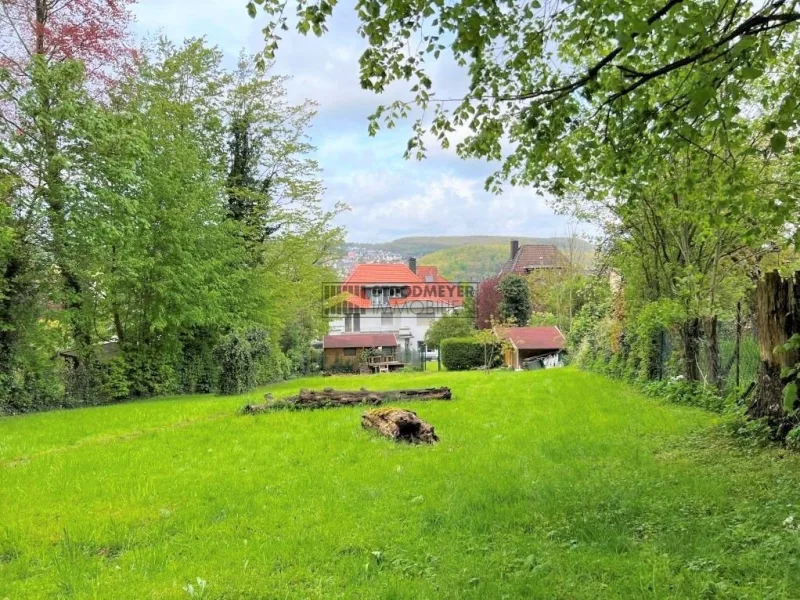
(549, 484)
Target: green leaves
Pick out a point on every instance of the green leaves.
(789, 396)
(777, 142)
(749, 73)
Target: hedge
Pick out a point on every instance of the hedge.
(462, 354)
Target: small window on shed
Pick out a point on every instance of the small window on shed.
(349, 352)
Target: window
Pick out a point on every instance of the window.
(349, 352)
(387, 318)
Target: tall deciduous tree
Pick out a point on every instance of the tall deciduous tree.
(49, 130)
(94, 32)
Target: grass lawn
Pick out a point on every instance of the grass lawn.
(548, 484)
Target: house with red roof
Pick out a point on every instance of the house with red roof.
(532, 342)
(532, 258)
(401, 299)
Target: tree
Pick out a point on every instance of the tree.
(778, 326)
(449, 326)
(494, 345)
(554, 292)
(94, 32)
(117, 227)
(487, 302)
(270, 174)
(52, 137)
(557, 80)
(515, 306)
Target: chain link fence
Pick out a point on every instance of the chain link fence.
(736, 349)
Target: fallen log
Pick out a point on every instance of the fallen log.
(399, 425)
(328, 398)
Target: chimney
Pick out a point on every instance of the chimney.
(514, 248)
(412, 264)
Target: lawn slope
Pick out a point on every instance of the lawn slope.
(556, 484)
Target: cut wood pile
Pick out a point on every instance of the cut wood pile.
(329, 398)
(399, 425)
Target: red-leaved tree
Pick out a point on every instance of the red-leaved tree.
(487, 302)
(92, 31)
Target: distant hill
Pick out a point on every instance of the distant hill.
(459, 258)
(468, 263)
(420, 246)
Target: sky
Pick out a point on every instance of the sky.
(388, 196)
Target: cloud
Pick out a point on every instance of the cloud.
(388, 203)
(389, 196)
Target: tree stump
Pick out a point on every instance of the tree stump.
(777, 320)
(399, 425)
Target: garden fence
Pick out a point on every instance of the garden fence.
(737, 347)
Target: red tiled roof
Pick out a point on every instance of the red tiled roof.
(381, 273)
(534, 256)
(535, 338)
(440, 290)
(357, 301)
(428, 271)
(360, 340)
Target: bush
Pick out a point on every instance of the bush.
(115, 385)
(793, 440)
(237, 369)
(199, 370)
(750, 433)
(678, 391)
(542, 319)
(343, 366)
(462, 354)
(151, 371)
(270, 364)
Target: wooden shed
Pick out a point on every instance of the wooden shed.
(531, 342)
(349, 348)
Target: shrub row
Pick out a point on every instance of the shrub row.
(462, 354)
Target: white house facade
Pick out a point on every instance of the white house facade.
(396, 298)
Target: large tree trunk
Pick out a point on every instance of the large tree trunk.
(690, 342)
(777, 319)
(328, 398)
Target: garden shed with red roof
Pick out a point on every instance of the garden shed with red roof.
(531, 342)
